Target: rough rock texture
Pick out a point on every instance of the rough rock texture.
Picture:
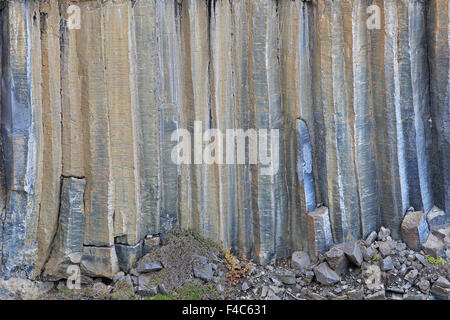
(415, 229)
(362, 116)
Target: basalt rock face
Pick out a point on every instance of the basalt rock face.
(88, 113)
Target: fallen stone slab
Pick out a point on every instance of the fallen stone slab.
(371, 238)
(444, 234)
(336, 259)
(436, 218)
(147, 264)
(204, 272)
(128, 255)
(319, 237)
(353, 252)
(414, 229)
(386, 248)
(441, 289)
(383, 234)
(386, 264)
(369, 253)
(99, 262)
(434, 246)
(300, 260)
(325, 275)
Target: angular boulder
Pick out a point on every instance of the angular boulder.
(147, 264)
(436, 218)
(434, 246)
(319, 237)
(353, 252)
(441, 288)
(414, 229)
(325, 275)
(204, 272)
(371, 238)
(386, 264)
(386, 248)
(128, 255)
(383, 234)
(99, 262)
(300, 260)
(336, 259)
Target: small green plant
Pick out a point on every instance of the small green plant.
(436, 261)
(375, 258)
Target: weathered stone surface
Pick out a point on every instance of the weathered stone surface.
(383, 234)
(353, 252)
(371, 238)
(369, 253)
(336, 259)
(146, 264)
(414, 229)
(436, 218)
(17, 288)
(100, 103)
(300, 260)
(204, 272)
(443, 234)
(68, 243)
(434, 246)
(386, 264)
(386, 248)
(441, 288)
(319, 232)
(128, 255)
(99, 262)
(325, 275)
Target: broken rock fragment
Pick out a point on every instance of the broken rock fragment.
(99, 262)
(414, 229)
(68, 243)
(128, 255)
(319, 234)
(300, 260)
(147, 264)
(325, 275)
(434, 246)
(353, 252)
(436, 218)
(336, 259)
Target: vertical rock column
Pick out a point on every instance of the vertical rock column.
(67, 247)
(21, 132)
(438, 35)
(223, 111)
(51, 120)
(244, 117)
(364, 121)
(148, 75)
(120, 79)
(170, 97)
(99, 194)
(269, 196)
(407, 105)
